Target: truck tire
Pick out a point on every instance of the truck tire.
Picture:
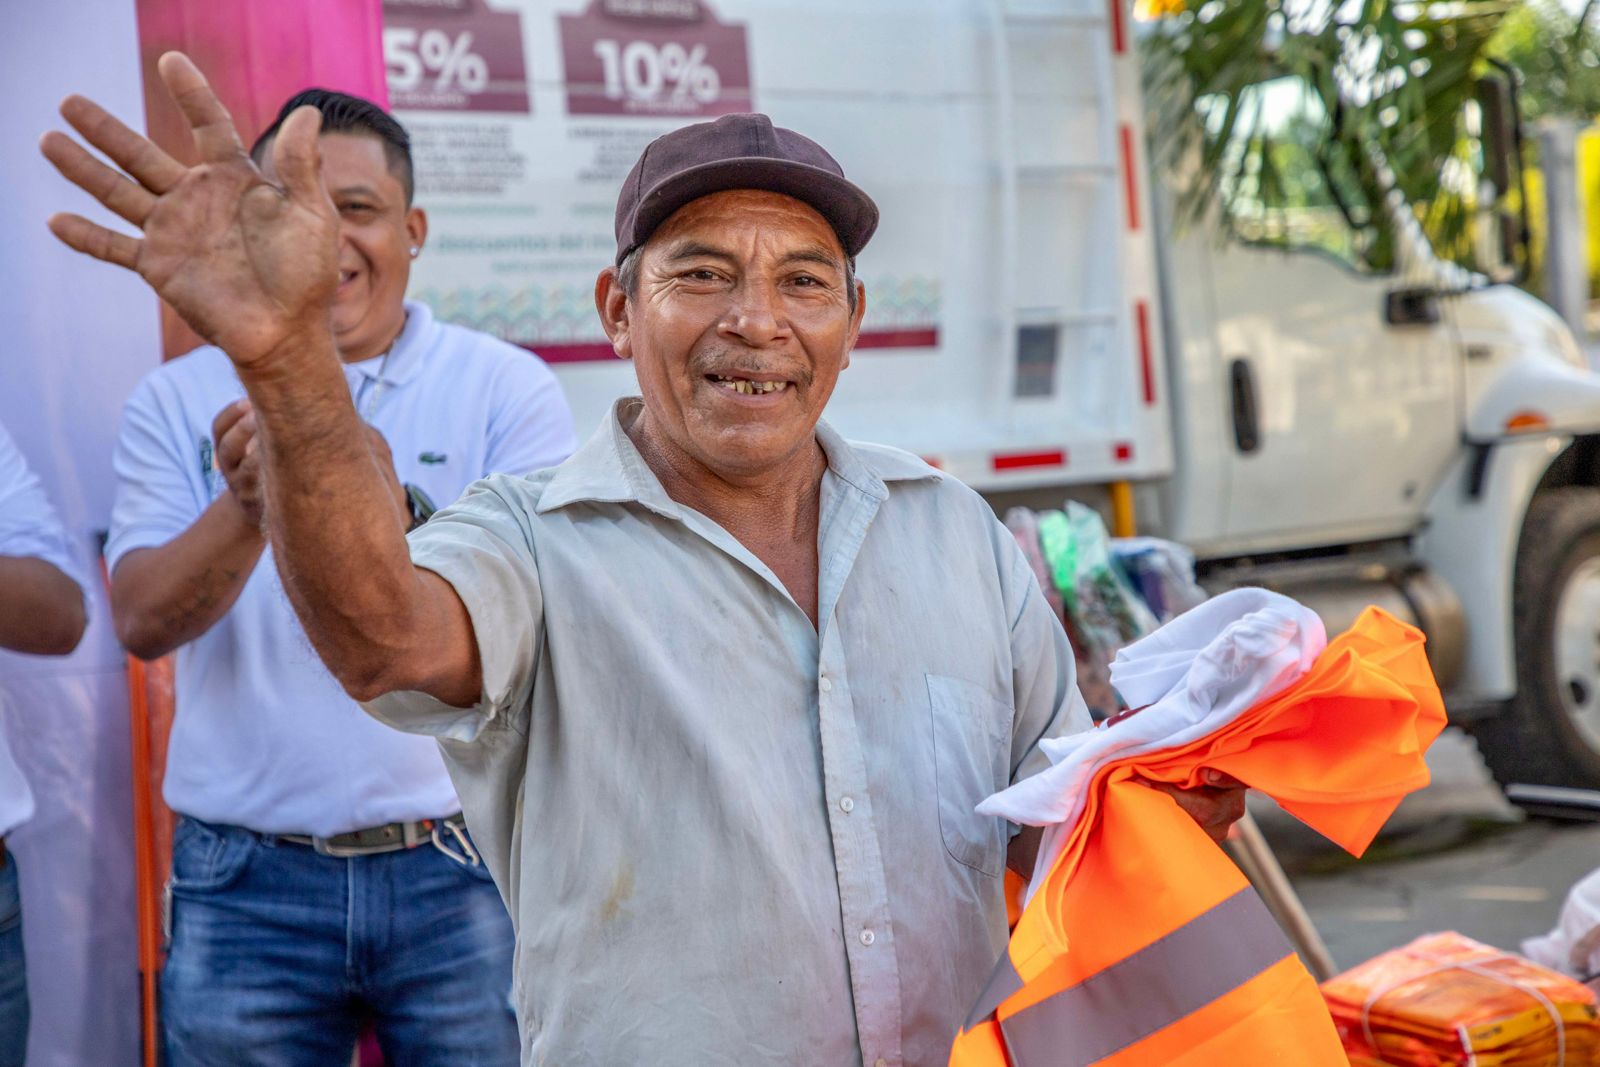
(1549, 733)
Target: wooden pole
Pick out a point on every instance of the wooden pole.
(1255, 858)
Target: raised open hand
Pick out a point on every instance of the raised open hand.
(250, 266)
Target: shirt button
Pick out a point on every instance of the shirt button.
(868, 937)
(825, 685)
(847, 805)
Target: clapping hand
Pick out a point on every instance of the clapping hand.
(239, 459)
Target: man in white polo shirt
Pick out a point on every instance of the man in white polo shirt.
(41, 612)
(321, 874)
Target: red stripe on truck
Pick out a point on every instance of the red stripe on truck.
(1119, 35)
(1011, 461)
(1130, 177)
(1147, 370)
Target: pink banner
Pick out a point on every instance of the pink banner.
(259, 55)
(256, 56)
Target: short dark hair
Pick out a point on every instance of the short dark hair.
(343, 113)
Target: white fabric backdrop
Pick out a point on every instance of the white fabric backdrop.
(80, 334)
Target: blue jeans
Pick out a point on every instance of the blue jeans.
(13, 970)
(279, 955)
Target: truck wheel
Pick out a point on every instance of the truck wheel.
(1549, 734)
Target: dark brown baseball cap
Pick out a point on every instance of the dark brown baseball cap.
(738, 152)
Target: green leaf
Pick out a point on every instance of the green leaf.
(1384, 80)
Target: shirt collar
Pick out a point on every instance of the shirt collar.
(609, 469)
(407, 354)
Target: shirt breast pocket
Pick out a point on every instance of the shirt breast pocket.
(971, 752)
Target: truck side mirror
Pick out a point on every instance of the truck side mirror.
(1500, 138)
(1503, 208)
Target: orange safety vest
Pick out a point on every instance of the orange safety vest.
(1145, 944)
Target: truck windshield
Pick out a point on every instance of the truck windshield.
(1280, 185)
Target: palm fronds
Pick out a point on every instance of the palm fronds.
(1369, 94)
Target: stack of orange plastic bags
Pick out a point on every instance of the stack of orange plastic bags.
(1445, 999)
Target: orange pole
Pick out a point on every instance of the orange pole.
(1122, 521)
(147, 895)
(144, 859)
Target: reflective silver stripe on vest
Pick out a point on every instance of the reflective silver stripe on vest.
(1202, 960)
(1001, 984)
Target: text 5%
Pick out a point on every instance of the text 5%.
(410, 55)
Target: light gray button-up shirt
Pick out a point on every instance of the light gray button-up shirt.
(727, 837)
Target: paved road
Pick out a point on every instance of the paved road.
(1455, 856)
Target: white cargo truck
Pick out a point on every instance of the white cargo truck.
(1404, 433)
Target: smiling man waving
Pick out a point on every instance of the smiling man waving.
(721, 692)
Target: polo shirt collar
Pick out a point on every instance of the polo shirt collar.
(410, 348)
(609, 469)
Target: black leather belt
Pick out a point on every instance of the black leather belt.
(391, 837)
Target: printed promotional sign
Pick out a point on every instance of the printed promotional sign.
(654, 57)
(453, 55)
(526, 115)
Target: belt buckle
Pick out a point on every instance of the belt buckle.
(410, 836)
(324, 846)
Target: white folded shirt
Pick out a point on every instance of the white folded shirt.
(1191, 677)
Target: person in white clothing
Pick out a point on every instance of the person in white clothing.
(42, 613)
(322, 877)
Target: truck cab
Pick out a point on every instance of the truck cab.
(1363, 421)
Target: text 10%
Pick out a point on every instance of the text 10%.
(643, 72)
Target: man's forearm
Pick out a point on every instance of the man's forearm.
(167, 596)
(338, 541)
(41, 609)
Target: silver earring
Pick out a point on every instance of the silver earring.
(415, 250)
